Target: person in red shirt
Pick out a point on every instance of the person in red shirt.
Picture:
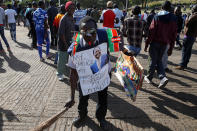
(108, 16)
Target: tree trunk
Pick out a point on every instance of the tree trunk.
(146, 4)
(142, 4)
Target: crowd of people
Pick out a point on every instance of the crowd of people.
(161, 32)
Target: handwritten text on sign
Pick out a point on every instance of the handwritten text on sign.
(92, 68)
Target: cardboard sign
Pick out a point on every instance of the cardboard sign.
(130, 74)
(92, 66)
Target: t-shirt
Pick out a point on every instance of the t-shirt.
(57, 19)
(2, 16)
(119, 15)
(11, 15)
(66, 28)
(108, 17)
(39, 18)
(52, 12)
(78, 15)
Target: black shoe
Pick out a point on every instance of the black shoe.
(78, 121)
(104, 125)
(168, 70)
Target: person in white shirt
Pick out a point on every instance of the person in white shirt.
(119, 15)
(2, 22)
(11, 20)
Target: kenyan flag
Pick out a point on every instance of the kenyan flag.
(76, 39)
(113, 40)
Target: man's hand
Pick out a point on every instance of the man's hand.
(69, 103)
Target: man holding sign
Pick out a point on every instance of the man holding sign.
(89, 46)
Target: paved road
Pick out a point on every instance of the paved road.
(30, 93)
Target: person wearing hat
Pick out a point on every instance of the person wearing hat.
(108, 16)
(65, 34)
(52, 12)
(189, 38)
(163, 31)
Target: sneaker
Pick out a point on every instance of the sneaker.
(2, 51)
(103, 125)
(168, 70)
(8, 49)
(42, 59)
(78, 121)
(49, 56)
(147, 80)
(61, 77)
(163, 82)
(176, 45)
(179, 67)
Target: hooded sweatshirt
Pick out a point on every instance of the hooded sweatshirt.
(163, 29)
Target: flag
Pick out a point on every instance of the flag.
(113, 40)
(76, 42)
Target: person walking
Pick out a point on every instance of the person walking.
(11, 21)
(163, 31)
(89, 37)
(41, 27)
(2, 23)
(189, 39)
(95, 14)
(133, 27)
(119, 16)
(65, 34)
(178, 14)
(78, 15)
(108, 16)
(56, 23)
(29, 16)
(52, 12)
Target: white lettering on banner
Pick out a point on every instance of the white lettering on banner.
(93, 77)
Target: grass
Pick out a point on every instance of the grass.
(159, 2)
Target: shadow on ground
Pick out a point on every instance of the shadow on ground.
(162, 102)
(15, 64)
(24, 46)
(128, 113)
(10, 116)
(1, 66)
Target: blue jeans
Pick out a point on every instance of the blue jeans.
(3, 37)
(40, 34)
(178, 40)
(134, 50)
(187, 50)
(156, 52)
(13, 30)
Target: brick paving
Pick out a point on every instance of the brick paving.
(30, 93)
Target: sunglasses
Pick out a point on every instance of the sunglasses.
(89, 32)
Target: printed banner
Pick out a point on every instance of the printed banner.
(130, 74)
(92, 68)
